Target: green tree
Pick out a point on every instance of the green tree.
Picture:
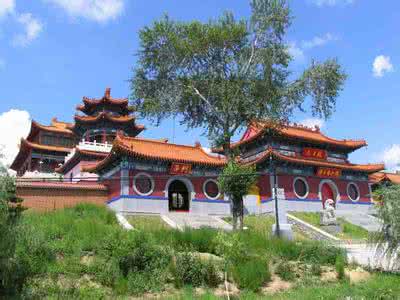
(388, 237)
(236, 181)
(222, 74)
(10, 211)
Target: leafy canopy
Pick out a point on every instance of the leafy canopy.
(389, 236)
(236, 180)
(222, 74)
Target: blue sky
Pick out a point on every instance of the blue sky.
(54, 52)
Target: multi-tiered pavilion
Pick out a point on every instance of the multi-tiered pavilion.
(60, 144)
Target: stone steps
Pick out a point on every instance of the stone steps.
(183, 220)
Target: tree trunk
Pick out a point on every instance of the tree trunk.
(241, 213)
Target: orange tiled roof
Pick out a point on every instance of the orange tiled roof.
(257, 128)
(369, 168)
(156, 150)
(61, 185)
(25, 143)
(382, 176)
(76, 158)
(56, 126)
(25, 148)
(105, 115)
(106, 99)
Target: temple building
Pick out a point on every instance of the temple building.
(100, 158)
(158, 177)
(57, 146)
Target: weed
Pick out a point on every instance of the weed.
(251, 273)
(285, 271)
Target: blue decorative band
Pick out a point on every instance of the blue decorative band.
(211, 201)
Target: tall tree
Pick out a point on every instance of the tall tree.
(388, 237)
(222, 74)
(225, 73)
(10, 211)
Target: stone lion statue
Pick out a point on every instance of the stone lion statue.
(328, 215)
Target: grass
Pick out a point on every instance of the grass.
(82, 253)
(349, 230)
(147, 223)
(263, 224)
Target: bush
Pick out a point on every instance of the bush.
(136, 258)
(251, 273)
(316, 269)
(199, 240)
(192, 270)
(285, 271)
(339, 266)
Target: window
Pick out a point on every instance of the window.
(300, 187)
(353, 192)
(143, 184)
(211, 189)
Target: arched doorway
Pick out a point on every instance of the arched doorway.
(178, 196)
(328, 190)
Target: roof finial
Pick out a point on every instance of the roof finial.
(107, 94)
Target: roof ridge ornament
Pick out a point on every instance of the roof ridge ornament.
(107, 93)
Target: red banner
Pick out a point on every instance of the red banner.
(180, 169)
(329, 172)
(315, 153)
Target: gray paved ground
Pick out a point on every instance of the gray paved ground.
(364, 220)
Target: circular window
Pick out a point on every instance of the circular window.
(211, 189)
(353, 192)
(143, 184)
(300, 187)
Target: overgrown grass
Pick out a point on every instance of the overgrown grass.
(263, 224)
(349, 230)
(65, 254)
(147, 223)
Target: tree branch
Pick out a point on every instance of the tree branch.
(197, 92)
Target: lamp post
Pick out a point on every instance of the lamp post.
(275, 177)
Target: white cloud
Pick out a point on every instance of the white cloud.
(94, 10)
(381, 65)
(32, 27)
(332, 2)
(296, 52)
(312, 122)
(14, 125)
(391, 157)
(319, 41)
(6, 7)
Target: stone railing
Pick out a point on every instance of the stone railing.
(90, 146)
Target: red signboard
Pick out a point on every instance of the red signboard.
(314, 153)
(180, 169)
(329, 172)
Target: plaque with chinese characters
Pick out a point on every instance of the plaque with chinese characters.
(315, 153)
(329, 172)
(180, 169)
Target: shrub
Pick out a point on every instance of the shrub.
(316, 269)
(192, 270)
(339, 266)
(285, 271)
(251, 273)
(200, 240)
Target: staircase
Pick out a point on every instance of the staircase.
(184, 220)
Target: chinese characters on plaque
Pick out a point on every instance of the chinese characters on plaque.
(180, 169)
(329, 172)
(315, 153)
